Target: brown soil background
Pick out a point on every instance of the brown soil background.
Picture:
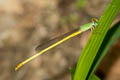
(24, 24)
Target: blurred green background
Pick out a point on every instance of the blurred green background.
(24, 24)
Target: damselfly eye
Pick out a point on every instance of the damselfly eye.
(95, 21)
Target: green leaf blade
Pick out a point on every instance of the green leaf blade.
(112, 35)
(90, 51)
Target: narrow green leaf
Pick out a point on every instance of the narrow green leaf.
(112, 35)
(90, 51)
(94, 77)
(72, 71)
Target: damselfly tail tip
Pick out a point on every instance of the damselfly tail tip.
(18, 66)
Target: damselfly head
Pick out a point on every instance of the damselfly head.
(95, 22)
